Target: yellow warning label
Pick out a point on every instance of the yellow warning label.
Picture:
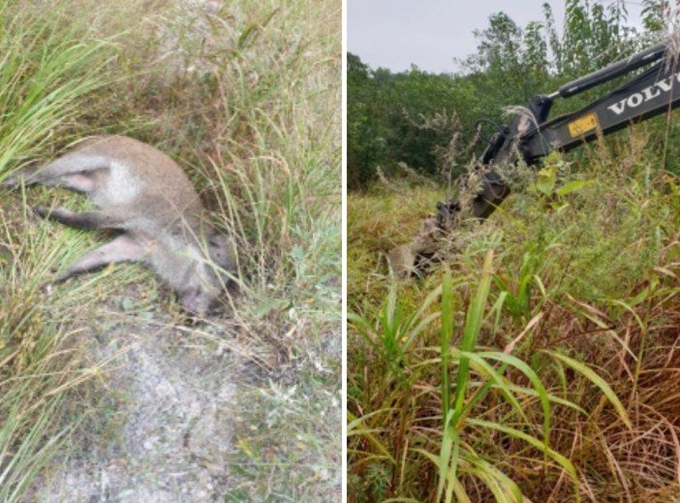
(583, 125)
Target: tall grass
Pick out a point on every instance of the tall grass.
(253, 111)
(49, 65)
(47, 68)
(270, 152)
(247, 98)
(542, 349)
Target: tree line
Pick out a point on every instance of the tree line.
(430, 122)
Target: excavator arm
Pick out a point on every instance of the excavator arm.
(531, 135)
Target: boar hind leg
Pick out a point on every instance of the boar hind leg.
(83, 220)
(123, 248)
(76, 171)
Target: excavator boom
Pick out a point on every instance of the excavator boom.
(531, 136)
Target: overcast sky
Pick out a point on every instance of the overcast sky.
(430, 33)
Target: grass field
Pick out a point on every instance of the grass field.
(105, 391)
(540, 362)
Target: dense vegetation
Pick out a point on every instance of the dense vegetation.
(246, 97)
(429, 122)
(540, 361)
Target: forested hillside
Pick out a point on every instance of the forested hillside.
(538, 362)
(428, 121)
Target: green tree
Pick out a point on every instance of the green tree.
(365, 146)
(654, 15)
(390, 116)
(419, 96)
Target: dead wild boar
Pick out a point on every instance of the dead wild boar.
(144, 194)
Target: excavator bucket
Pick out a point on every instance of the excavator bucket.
(415, 258)
(403, 260)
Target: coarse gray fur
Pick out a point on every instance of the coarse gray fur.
(146, 195)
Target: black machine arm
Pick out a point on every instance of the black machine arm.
(627, 65)
(531, 136)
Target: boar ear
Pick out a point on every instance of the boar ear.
(217, 239)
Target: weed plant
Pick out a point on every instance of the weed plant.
(48, 69)
(247, 98)
(538, 362)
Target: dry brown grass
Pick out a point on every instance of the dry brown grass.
(593, 276)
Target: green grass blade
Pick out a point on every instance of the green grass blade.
(445, 340)
(535, 381)
(473, 324)
(554, 455)
(593, 377)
